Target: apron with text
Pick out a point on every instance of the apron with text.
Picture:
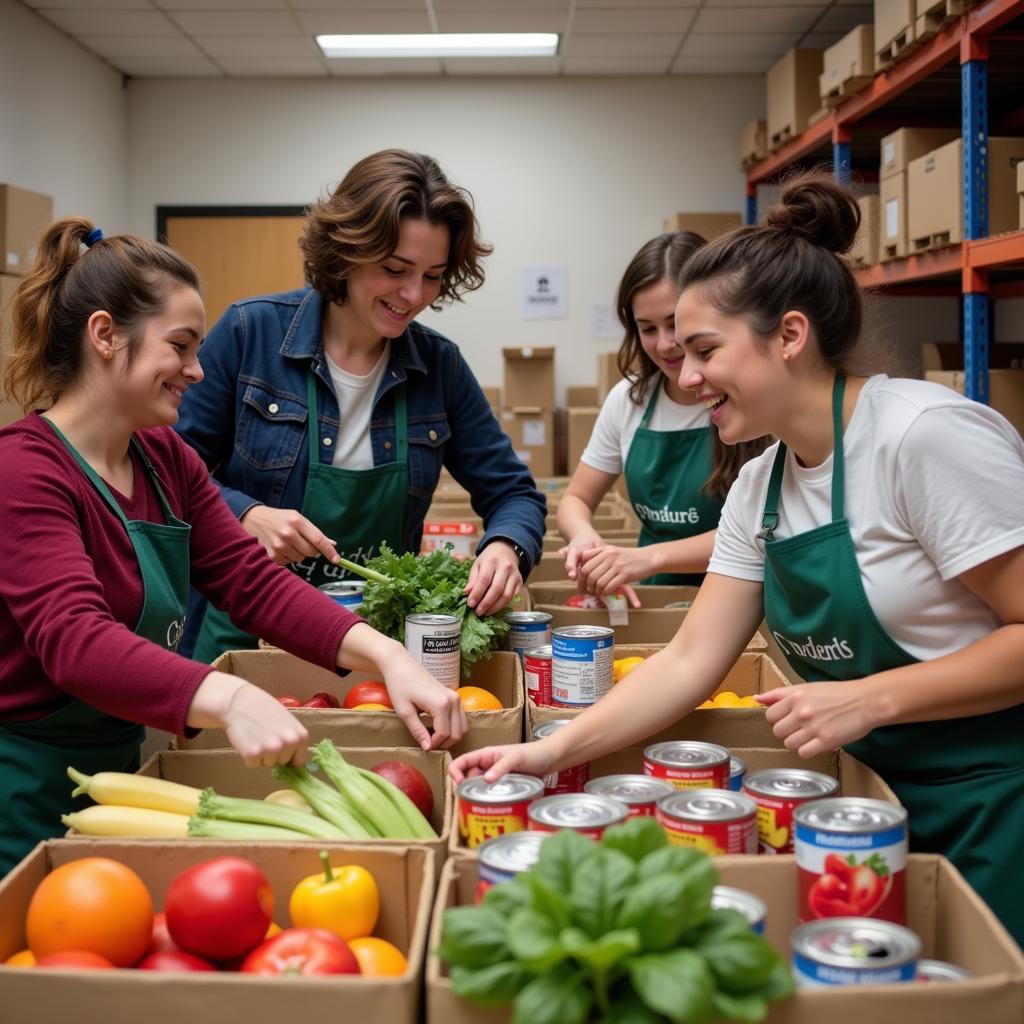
(961, 780)
(34, 756)
(358, 508)
(665, 472)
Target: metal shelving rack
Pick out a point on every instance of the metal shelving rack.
(988, 268)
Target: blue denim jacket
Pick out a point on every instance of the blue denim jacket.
(247, 419)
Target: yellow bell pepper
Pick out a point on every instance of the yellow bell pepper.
(344, 900)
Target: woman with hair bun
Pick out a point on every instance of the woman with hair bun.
(107, 515)
(327, 413)
(881, 538)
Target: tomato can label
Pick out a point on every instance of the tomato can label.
(528, 630)
(715, 821)
(502, 858)
(778, 792)
(495, 809)
(568, 780)
(433, 640)
(853, 951)
(688, 764)
(581, 665)
(537, 670)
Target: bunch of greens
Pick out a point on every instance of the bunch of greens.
(401, 585)
(620, 932)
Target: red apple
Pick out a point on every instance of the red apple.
(411, 781)
(322, 700)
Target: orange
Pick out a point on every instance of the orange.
(23, 958)
(726, 699)
(623, 666)
(476, 698)
(372, 707)
(378, 958)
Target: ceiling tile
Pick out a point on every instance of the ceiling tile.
(767, 3)
(90, 5)
(843, 19)
(258, 47)
(501, 5)
(367, 6)
(222, 5)
(739, 44)
(620, 45)
(605, 66)
(599, 4)
(766, 19)
(114, 47)
(289, 67)
(383, 66)
(112, 23)
(518, 66)
(160, 67)
(237, 23)
(639, 20)
(319, 22)
(723, 65)
(502, 21)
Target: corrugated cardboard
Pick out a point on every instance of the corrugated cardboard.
(406, 879)
(865, 247)
(893, 18)
(847, 66)
(577, 397)
(9, 412)
(949, 355)
(792, 89)
(529, 379)
(753, 142)
(892, 217)
(708, 225)
(533, 438)
(952, 922)
(24, 216)
(278, 672)
(554, 541)
(612, 521)
(898, 148)
(1005, 390)
(608, 374)
(579, 426)
(935, 213)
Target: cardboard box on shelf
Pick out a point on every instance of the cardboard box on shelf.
(9, 412)
(608, 374)
(24, 216)
(949, 355)
(1005, 391)
(753, 142)
(865, 247)
(553, 541)
(533, 438)
(792, 89)
(405, 877)
(581, 397)
(579, 426)
(935, 193)
(463, 536)
(493, 396)
(708, 225)
(894, 29)
(848, 66)
(898, 148)
(892, 217)
(529, 378)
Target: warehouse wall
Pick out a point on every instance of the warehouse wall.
(63, 120)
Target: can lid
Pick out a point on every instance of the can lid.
(856, 942)
(513, 851)
(430, 619)
(523, 617)
(687, 753)
(791, 783)
(850, 814)
(543, 729)
(940, 970)
(707, 805)
(543, 651)
(725, 897)
(341, 587)
(737, 766)
(577, 810)
(512, 787)
(583, 632)
(630, 789)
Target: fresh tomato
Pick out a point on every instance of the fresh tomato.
(220, 908)
(371, 691)
(161, 940)
(323, 699)
(75, 958)
(289, 701)
(174, 960)
(302, 951)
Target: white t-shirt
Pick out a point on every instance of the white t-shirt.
(934, 487)
(619, 418)
(352, 448)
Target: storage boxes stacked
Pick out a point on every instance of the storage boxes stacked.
(528, 406)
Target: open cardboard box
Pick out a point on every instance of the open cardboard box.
(406, 879)
(620, 538)
(951, 920)
(278, 672)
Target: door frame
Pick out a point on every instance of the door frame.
(165, 212)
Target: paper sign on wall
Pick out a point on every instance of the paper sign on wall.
(542, 292)
(604, 323)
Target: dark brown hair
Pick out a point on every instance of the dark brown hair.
(125, 276)
(358, 223)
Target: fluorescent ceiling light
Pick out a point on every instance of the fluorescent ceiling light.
(442, 44)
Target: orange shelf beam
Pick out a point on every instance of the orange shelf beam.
(921, 267)
(997, 251)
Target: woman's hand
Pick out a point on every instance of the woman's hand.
(817, 717)
(607, 569)
(494, 762)
(572, 552)
(287, 534)
(494, 578)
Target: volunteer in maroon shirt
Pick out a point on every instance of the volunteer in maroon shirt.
(106, 516)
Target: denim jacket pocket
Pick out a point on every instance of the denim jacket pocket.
(427, 438)
(271, 427)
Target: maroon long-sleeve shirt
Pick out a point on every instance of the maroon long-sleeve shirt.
(71, 591)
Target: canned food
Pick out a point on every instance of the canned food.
(716, 821)
(581, 812)
(688, 764)
(537, 670)
(853, 951)
(640, 793)
(502, 858)
(737, 771)
(753, 908)
(347, 593)
(851, 859)
(939, 970)
(581, 665)
(569, 780)
(778, 792)
(433, 640)
(527, 630)
(493, 809)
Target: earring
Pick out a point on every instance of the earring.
(787, 356)
(108, 353)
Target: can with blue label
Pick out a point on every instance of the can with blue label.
(737, 772)
(347, 593)
(527, 630)
(853, 951)
(581, 665)
(753, 908)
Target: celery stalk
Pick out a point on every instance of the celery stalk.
(322, 798)
(213, 805)
(417, 824)
(363, 797)
(215, 828)
(361, 570)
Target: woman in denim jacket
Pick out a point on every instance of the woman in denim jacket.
(392, 401)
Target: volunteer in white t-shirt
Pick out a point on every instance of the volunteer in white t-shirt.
(658, 435)
(882, 539)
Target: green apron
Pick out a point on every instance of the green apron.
(665, 471)
(360, 508)
(961, 780)
(34, 756)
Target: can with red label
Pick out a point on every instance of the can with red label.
(582, 812)
(640, 793)
(851, 859)
(493, 809)
(537, 670)
(778, 792)
(502, 858)
(569, 780)
(688, 764)
(716, 821)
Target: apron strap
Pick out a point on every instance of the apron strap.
(770, 514)
(649, 411)
(838, 464)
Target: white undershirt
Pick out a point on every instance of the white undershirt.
(355, 394)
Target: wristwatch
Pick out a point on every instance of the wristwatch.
(525, 565)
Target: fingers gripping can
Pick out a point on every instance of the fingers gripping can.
(537, 670)
(493, 809)
(527, 630)
(581, 665)
(853, 951)
(569, 780)
(778, 792)
(433, 640)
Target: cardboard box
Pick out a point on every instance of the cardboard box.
(951, 920)
(708, 225)
(894, 24)
(848, 66)
(24, 216)
(579, 426)
(897, 149)
(493, 396)
(1020, 192)
(554, 541)
(935, 193)
(608, 374)
(9, 411)
(1005, 391)
(580, 397)
(533, 438)
(278, 672)
(529, 382)
(792, 88)
(949, 355)
(462, 535)
(406, 879)
(892, 217)
(865, 247)
(753, 142)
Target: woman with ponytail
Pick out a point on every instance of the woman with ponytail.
(881, 538)
(107, 514)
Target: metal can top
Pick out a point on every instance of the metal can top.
(518, 618)
(512, 788)
(707, 805)
(630, 789)
(850, 814)
(939, 970)
(428, 619)
(791, 784)
(737, 766)
(583, 632)
(577, 810)
(725, 897)
(856, 942)
(544, 652)
(512, 852)
(547, 728)
(687, 754)
(342, 587)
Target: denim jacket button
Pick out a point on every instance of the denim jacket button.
(432, 435)
(387, 446)
(273, 407)
(328, 441)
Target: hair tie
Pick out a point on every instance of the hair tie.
(92, 238)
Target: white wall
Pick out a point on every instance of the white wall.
(62, 120)
(573, 171)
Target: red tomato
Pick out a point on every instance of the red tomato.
(372, 691)
(174, 960)
(75, 958)
(161, 941)
(583, 601)
(323, 699)
(302, 951)
(289, 701)
(219, 909)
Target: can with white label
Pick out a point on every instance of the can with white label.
(433, 640)
(581, 665)
(527, 630)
